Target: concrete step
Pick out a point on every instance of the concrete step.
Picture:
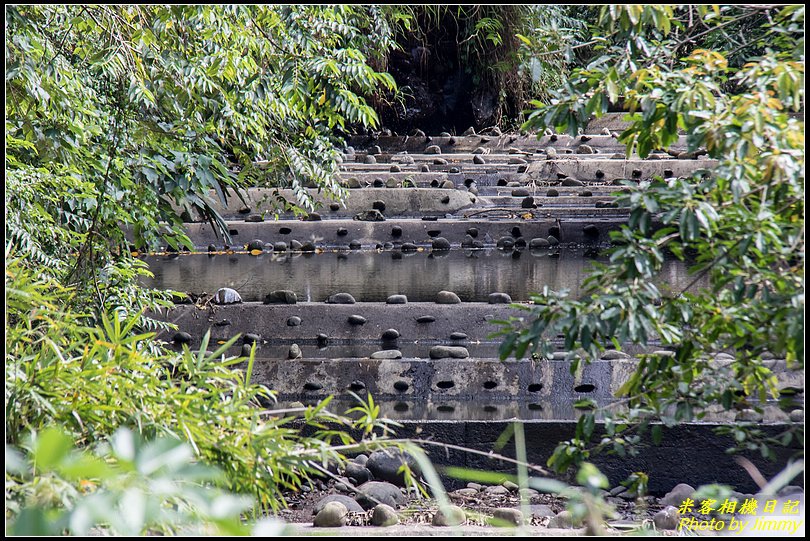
(690, 453)
(492, 143)
(332, 320)
(489, 224)
(592, 169)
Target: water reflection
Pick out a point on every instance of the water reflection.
(374, 276)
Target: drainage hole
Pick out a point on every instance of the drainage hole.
(446, 409)
(489, 385)
(535, 387)
(310, 386)
(535, 407)
(401, 386)
(357, 386)
(400, 406)
(434, 233)
(445, 385)
(285, 231)
(490, 409)
(585, 388)
(233, 232)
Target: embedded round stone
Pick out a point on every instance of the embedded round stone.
(390, 334)
(452, 515)
(250, 338)
(516, 161)
(447, 297)
(449, 352)
(538, 243)
(427, 319)
(473, 232)
(313, 217)
(433, 149)
(387, 354)
(585, 149)
(552, 240)
(520, 192)
(355, 245)
(293, 321)
(254, 218)
(280, 246)
(572, 182)
(467, 242)
(281, 296)
(308, 246)
(505, 243)
(294, 352)
(355, 319)
(342, 232)
(478, 159)
(397, 299)
(255, 245)
(458, 336)
(340, 298)
(212, 247)
(226, 295)
(181, 338)
(528, 203)
(384, 515)
(551, 153)
(378, 205)
(552, 193)
(586, 193)
(441, 243)
(373, 215)
(440, 161)
(409, 247)
(499, 298)
(424, 168)
(395, 169)
(333, 515)
(353, 183)
(370, 160)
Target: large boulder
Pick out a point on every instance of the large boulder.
(385, 465)
(375, 492)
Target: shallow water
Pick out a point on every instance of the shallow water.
(372, 276)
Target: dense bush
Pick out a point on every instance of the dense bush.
(742, 221)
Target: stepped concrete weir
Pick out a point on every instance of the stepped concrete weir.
(397, 292)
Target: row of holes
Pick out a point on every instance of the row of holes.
(402, 386)
(394, 233)
(445, 408)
